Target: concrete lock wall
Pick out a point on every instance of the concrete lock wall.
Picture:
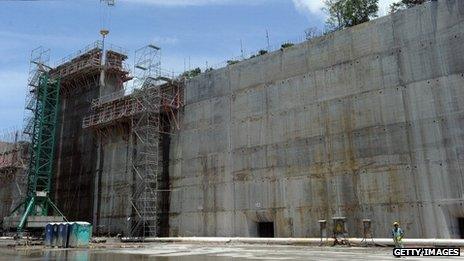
(363, 123)
(13, 186)
(114, 184)
(76, 157)
(93, 180)
(12, 180)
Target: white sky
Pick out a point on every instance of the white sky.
(315, 6)
(24, 25)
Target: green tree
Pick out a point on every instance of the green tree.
(232, 62)
(404, 4)
(286, 45)
(347, 13)
(192, 73)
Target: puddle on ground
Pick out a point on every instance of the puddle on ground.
(197, 252)
(87, 255)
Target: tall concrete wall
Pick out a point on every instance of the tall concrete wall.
(367, 122)
(13, 179)
(76, 156)
(93, 180)
(12, 192)
(114, 183)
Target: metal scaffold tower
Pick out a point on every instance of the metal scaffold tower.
(146, 132)
(151, 111)
(43, 104)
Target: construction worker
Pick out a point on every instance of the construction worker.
(397, 234)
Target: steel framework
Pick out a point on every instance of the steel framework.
(83, 68)
(44, 106)
(13, 157)
(37, 66)
(110, 112)
(116, 106)
(151, 107)
(13, 150)
(43, 137)
(13, 162)
(146, 132)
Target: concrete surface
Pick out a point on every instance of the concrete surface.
(208, 252)
(363, 123)
(76, 153)
(384, 242)
(13, 178)
(93, 180)
(12, 222)
(115, 183)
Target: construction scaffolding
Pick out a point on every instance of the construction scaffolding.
(118, 107)
(13, 164)
(146, 132)
(82, 69)
(109, 112)
(146, 165)
(42, 151)
(13, 157)
(152, 111)
(42, 108)
(40, 57)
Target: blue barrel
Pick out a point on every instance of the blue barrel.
(80, 234)
(48, 234)
(55, 227)
(63, 234)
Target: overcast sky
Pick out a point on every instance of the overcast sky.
(200, 31)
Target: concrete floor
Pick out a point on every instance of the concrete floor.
(208, 252)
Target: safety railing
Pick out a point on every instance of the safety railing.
(95, 45)
(112, 113)
(107, 98)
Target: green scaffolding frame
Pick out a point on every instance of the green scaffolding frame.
(42, 153)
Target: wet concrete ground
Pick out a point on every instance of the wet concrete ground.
(170, 252)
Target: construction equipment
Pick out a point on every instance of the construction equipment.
(150, 111)
(104, 31)
(42, 150)
(146, 127)
(340, 232)
(41, 126)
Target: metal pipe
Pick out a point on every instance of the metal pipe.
(103, 33)
(29, 207)
(56, 209)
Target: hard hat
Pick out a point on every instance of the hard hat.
(396, 223)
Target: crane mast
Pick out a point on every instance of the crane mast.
(104, 31)
(42, 126)
(43, 104)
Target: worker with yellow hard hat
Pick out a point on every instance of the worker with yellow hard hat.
(397, 234)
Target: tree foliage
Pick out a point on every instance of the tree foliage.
(404, 4)
(192, 73)
(232, 62)
(261, 52)
(286, 45)
(347, 13)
